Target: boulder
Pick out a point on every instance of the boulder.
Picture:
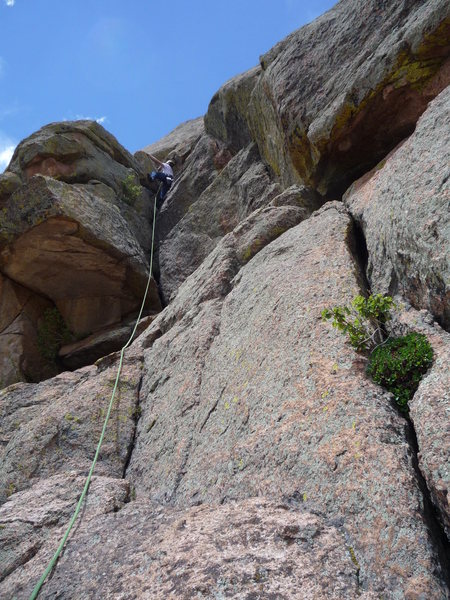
(21, 357)
(403, 209)
(74, 152)
(54, 426)
(227, 116)
(338, 94)
(71, 244)
(83, 152)
(246, 392)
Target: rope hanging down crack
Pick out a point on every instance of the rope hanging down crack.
(54, 560)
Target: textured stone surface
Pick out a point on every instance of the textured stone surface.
(75, 152)
(83, 152)
(242, 186)
(254, 395)
(403, 207)
(112, 339)
(227, 116)
(341, 92)
(253, 548)
(207, 159)
(32, 523)
(71, 244)
(178, 144)
(430, 410)
(20, 313)
(54, 426)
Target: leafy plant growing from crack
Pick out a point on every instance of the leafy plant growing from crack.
(52, 334)
(397, 364)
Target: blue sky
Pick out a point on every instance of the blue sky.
(140, 68)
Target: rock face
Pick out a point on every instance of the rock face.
(248, 453)
(53, 426)
(20, 357)
(338, 94)
(75, 234)
(403, 208)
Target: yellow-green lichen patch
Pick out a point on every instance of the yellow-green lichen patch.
(301, 153)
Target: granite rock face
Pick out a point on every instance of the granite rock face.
(429, 410)
(20, 313)
(243, 186)
(249, 394)
(75, 237)
(338, 94)
(403, 208)
(71, 244)
(227, 117)
(248, 454)
(53, 426)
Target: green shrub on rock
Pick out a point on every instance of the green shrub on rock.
(399, 364)
(130, 189)
(363, 321)
(52, 334)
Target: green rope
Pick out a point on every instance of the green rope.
(54, 560)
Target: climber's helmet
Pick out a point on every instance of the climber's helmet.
(171, 162)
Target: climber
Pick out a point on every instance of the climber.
(164, 174)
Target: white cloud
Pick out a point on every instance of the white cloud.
(7, 147)
(10, 2)
(100, 120)
(6, 156)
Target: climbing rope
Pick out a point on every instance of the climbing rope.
(54, 560)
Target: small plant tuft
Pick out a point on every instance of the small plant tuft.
(130, 190)
(52, 334)
(399, 365)
(362, 316)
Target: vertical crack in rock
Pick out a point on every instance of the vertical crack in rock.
(429, 511)
(358, 247)
(136, 415)
(356, 242)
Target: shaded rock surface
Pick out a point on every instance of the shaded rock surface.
(241, 187)
(111, 339)
(403, 207)
(71, 244)
(20, 356)
(207, 159)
